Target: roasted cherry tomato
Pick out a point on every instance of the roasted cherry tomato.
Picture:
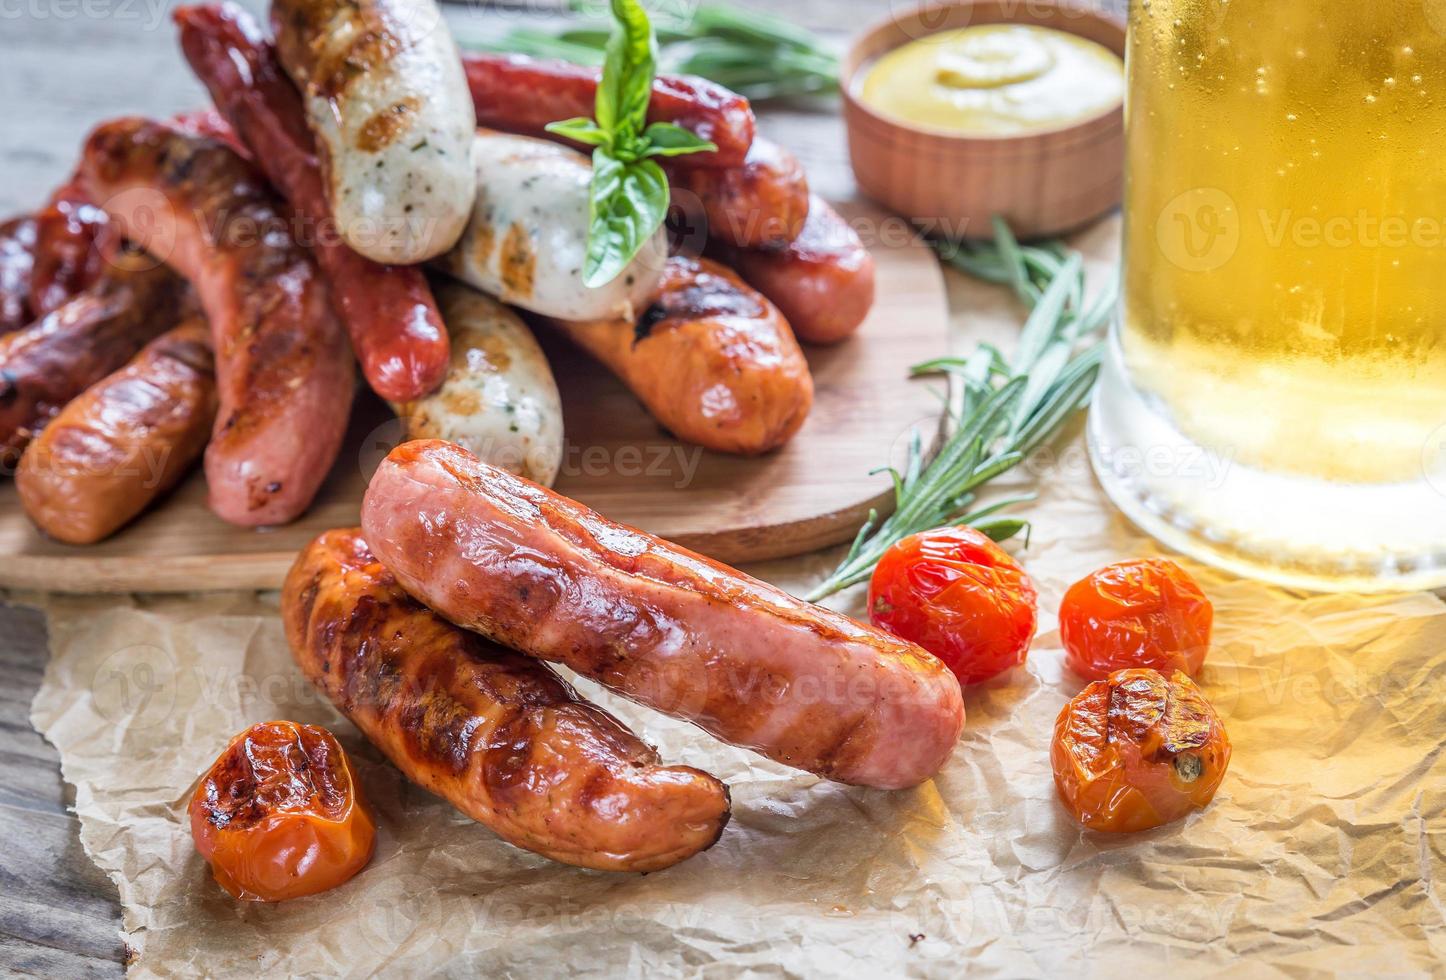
(1145, 613)
(1137, 751)
(958, 595)
(279, 816)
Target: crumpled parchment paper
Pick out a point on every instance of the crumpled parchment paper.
(1325, 849)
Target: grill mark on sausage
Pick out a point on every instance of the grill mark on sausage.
(518, 263)
(538, 755)
(388, 125)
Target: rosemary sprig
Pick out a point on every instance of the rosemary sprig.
(757, 55)
(1007, 407)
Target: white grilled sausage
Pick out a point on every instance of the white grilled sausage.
(527, 238)
(499, 401)
(387, 100)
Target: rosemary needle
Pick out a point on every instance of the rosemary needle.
(1008, 407)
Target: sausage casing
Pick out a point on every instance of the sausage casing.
(283, 369)
(17, 268)
(712, 360)
(496, 734)
(518, 94)
(823, 280)
(387, 101)
(126, 440)
(746, 662)
(499, 399)
(526, 242)
(50, 362)
(71, 238)
(389, 313)
(762, 203)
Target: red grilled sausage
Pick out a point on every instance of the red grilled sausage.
(72, 236)
(17, 267)
(763, 203)
(823, 280)
(518, 94)
(711, 359)
(128, 439)
(283, 370)
(750, 664)
(45, 365)
(389, 312)
(496, 734)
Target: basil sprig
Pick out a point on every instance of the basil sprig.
(629, 197)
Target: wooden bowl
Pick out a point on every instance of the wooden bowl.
(1043, 183)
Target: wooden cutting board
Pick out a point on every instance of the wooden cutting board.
(815, 492)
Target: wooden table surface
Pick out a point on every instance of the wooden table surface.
(62, 69)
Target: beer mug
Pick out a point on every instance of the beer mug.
(1274, 394)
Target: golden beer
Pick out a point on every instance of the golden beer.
(1284, 302)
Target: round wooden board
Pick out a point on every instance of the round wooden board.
(815, 492)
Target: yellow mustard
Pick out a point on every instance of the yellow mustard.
(995, 80)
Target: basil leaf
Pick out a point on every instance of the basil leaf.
(667, 140)
(628, 70)
(581, 130)
(627, 204)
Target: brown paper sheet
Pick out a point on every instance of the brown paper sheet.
(1324, 850)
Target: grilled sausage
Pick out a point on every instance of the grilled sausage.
(71, 238)
(283, 371)
(499, 399)
(711, 360)
(496, 734)
(527, 239)
(395, 327)
(45, 365)
(822, 281)
(518, 94)
(128, 439)
(17, 267)
(761, 204)
(386, 99)
(744, 661)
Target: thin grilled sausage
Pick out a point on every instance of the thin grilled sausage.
(496, 734)
(50, 362)
(823, 280)
(17, 267)
(72, 236)
(712, 360)
(395, 327)
(385, 96)
(283, 370)
(518, 94)
(744, 661)
(499, 399)
(761, 204)
(124, 442)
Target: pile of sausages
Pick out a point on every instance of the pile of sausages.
(205, 284)
(429, 625)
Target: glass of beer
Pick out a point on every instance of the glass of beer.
(1274, 394)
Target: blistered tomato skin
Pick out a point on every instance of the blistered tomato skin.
(958, 595)
(279, 815)
(1137, 751)
(1145, 613)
